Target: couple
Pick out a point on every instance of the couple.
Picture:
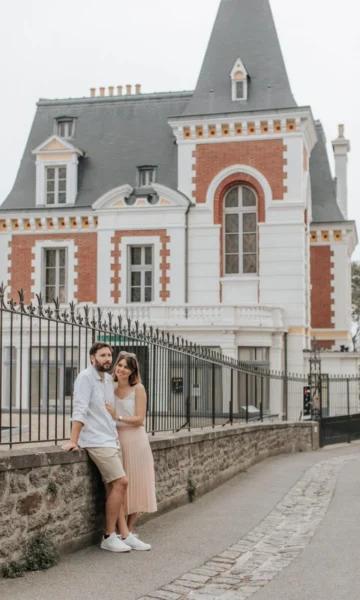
(108, 421)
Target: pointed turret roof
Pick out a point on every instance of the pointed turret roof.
(243, 29)
(323, 190)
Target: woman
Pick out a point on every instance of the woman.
(129, 412)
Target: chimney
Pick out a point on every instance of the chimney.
(111, 90)
(128, 90)
(92, 92)
(137, 88)
(341, 147)
(102, 91)
(119, 90)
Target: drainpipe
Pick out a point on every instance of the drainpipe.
(186, 274)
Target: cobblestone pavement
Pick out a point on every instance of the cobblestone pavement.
(248, 565)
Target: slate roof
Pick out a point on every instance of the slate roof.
(323, 188)
(243, 29)
(116, 134)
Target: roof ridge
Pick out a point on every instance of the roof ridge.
(110, 99)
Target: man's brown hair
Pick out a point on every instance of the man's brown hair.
(98, 346)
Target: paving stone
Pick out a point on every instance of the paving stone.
(248, 565)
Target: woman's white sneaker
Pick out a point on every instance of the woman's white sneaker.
(135, 543)
(114, 544)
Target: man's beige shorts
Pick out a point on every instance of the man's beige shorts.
(108, 461)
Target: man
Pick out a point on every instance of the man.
(94, 429)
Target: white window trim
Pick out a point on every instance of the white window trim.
(129, 271)
(56, 184)
(38, 266)
(238, 66)
(140, 241)
(71, 165)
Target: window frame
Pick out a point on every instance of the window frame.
(241, 211)
(142, 268)
(69, 123)
(56, 168)
(57, 250)
(149, 172)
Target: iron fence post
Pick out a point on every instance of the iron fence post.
(213, 395)
(348, 409)
(231, 416)
(247, 397)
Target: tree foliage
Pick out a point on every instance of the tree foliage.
(355, 299)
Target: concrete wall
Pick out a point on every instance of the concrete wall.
(50, 490)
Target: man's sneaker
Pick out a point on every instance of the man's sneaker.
(135, 543)
(114, 544)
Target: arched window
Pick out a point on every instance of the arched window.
(240, 231)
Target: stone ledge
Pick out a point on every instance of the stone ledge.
(54, 455)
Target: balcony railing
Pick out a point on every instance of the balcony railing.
(167, 316)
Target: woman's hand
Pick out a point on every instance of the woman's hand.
(111, 410)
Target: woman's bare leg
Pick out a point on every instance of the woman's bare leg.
(131, 520)
(121, 523)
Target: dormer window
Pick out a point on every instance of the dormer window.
(65, 127)
(56, 172)
(239, 81)
(55, 184)
(146, 175)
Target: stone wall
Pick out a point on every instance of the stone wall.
(61, 493)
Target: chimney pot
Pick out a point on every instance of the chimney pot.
(128, 89)
(119, 90)
(92, 92)
(102, 91)
(341, 130)
(111, 90)
(137, 88)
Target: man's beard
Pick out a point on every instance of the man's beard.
(105, 368)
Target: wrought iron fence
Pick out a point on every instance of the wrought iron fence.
(43, 348)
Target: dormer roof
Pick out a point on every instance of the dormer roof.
(55, 144)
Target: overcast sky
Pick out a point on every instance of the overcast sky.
(60, 50)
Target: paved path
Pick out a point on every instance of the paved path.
(288, 529)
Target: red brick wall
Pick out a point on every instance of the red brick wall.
(164, 260)
(267, 156)
(21, 272)
(321, 287)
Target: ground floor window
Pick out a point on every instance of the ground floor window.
(254, 386)
(52, 375)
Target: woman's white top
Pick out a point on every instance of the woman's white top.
(125, 407)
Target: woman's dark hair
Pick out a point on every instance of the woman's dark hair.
(98, 346)
(132, 364)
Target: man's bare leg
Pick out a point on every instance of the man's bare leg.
(115, 494)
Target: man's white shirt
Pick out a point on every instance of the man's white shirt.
(91, 392)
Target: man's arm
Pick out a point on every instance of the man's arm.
(76, 427)
(82, 392)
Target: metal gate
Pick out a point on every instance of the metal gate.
(339, 410)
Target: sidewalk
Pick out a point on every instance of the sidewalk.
(286, 529)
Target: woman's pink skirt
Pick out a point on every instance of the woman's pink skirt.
(139, 467)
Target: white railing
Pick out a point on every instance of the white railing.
(244, 316)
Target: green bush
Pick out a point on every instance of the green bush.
(191, 489)
(13, 569)
(40, 553)
(51, 489)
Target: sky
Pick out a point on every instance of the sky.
(60, 50)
